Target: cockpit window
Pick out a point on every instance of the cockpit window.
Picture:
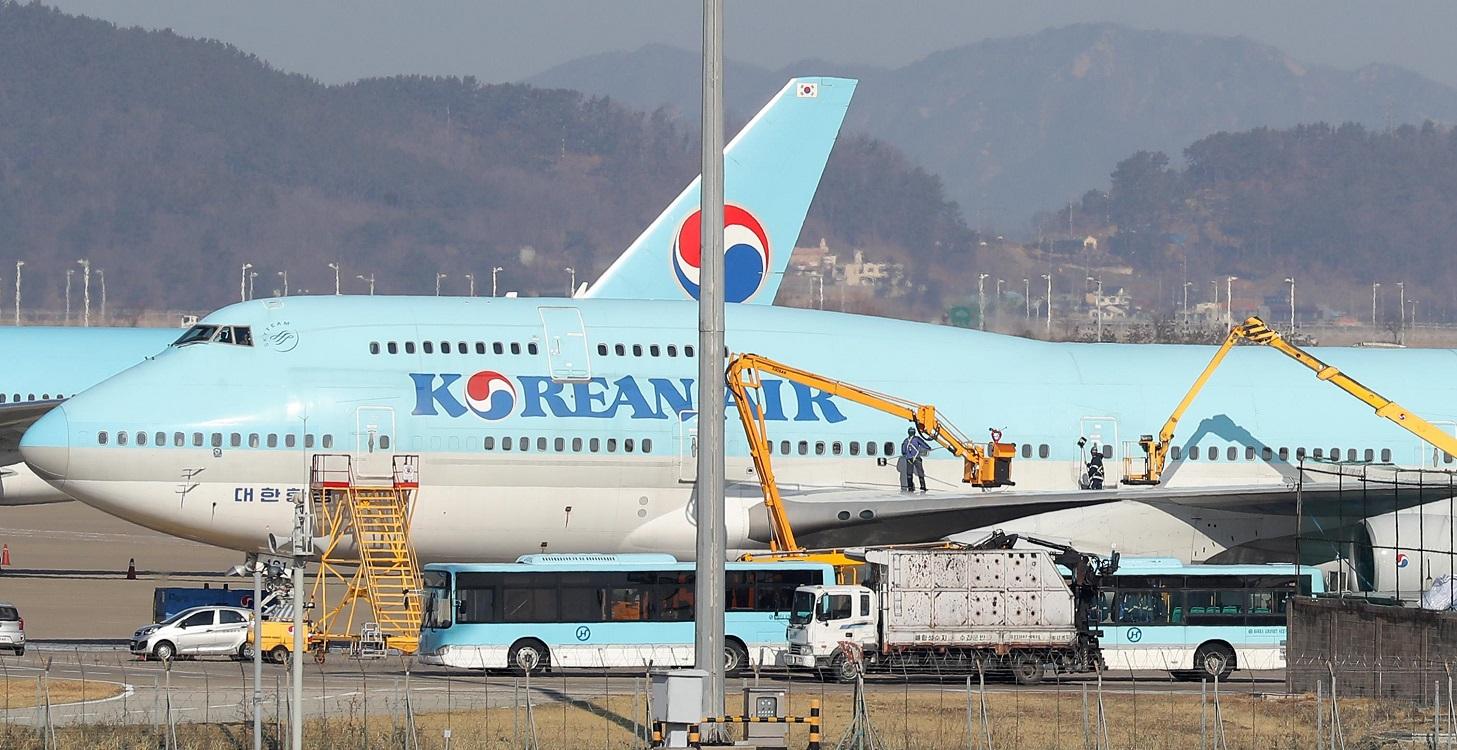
(196, 335)
(225, 335)
(242, 335)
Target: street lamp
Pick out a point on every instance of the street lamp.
(243, 283)
(1048, 278)
(69, 273)
(370, 279)
(472, 279)
(19, 264)
(1098, 303)
(1229, 300)
(335, 266)
(495, 270)
(572, 289)
(1291, 282)
(284, 275)
(101, 278)
(438, 277)
(1414, 313)
(85, 290)
(981, 302)
(1401, 306)
(1187, 284)
(1027, 297)
(251, 276)
(1374, 287)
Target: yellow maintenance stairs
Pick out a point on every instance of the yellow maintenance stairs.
(364, 519)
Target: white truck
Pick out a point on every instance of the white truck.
(943, 611)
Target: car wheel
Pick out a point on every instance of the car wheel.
(244, 653)
(528, 657)
(1214, 660)
(278, 654)
(735, 657)
(20, 651)
(164, 651)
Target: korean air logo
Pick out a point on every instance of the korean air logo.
(1401, 560)
(490, 395)
(745, 256)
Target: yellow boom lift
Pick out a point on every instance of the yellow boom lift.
(982, 467)
(1156, 451)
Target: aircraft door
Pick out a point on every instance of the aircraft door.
(1432, 457)
(687, 446)
(566, 343)
(374, 441)
(1102, 432)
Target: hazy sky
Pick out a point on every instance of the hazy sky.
(504, 41)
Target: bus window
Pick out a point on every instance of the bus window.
(1141, 608)
(627, 604)
(536, 604)
(673, 596)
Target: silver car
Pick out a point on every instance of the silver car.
(195, 632)
(12, 628)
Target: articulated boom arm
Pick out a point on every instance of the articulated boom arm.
(745, 372)
(1255, 330)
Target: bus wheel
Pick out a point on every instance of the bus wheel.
(1027, 669)
(735, 657)
(527, 657)
(1214, 660)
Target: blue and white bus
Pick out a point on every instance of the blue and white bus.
(601, 611)
(1199, 620)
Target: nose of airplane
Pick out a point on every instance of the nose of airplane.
(46, 445)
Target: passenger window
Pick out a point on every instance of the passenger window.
(688, 350)
(1026, 450)
(672, 350)
(523, 444)
(541, 444)
(515, 347)
(461, 348)
(803, 448)
(506, 444)
(1386, 455)
(229, 617)
(290, 440)
(601, 350)
(121, 437)
(497, 348)
(273, 440)
(428, 347)
(160, 440)
(611, 445)
(1194, 453)
(594, 445)
(627, 445)
(1335, 454)
(235, 440)
(1266, 454)
(1042, 450)
(819, 448)
(480, 347)
(328, 441)
(1370, 455)
(531, 347)
(1213, 453)
(864, 605)
(1175, 452)
(889, 448)
(384, 442)
(197, 439)
(409, 347)
(374, 347)
(560, 445)
(1300, 454)
(1318, 454)
(198, 620)
(654, 351)
(490, 443)
(392, 348)
(101, 438)
(445, 347)
(253, 440)
(1284, 454)
(576, 445)
(1350, 454)
(854, 447)
(1249, 452)
(619, 350)
(637, 350)
(141, 438)
(1232, 454)
(836, 449)
(647, 445)
(178, 439)
(308, 440)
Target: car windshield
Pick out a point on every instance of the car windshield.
(804, 608)
(8, 614)
(178, 616)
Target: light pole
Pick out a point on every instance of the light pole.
(1401, 307)
(69, 273)
(284, 275)
(438, 277)
(997, 298)
(1291, 282)
(572, 288)
(251, 276)
(1098, 303)
(101, 278)
(1048, 278)
(1414, 313)
(335, 266)
(1027, 297)
(1187, 284)
(19, 264)
(1374, 287)
(85, 291)
(494, 270)
(470, 277)
(243, 283)
(1229, 300)
(981, 302)
(1214, 284)
(369, 279)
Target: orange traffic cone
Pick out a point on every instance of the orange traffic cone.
(4, 555)
(131, 569)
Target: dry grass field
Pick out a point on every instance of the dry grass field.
(28, 692)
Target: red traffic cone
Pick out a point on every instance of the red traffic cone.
(4, 555)
(131, 569)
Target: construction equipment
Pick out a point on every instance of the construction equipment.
(983, 467)
(1256, 331)
(366, 524)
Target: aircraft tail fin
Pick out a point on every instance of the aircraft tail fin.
(771, 171)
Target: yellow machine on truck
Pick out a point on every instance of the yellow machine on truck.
(983, 466)
(1156, 450)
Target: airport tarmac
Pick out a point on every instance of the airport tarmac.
(217, 690)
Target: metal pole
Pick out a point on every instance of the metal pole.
(1027, 297)
(101, 277)
(981, 302)
(1374, 287)
(1291, 280)
(257, 652)
(243, 283)
(712, 539)
(69, 273)
(296, 711)
(19, 264)
(85, 292)
(494, 270)
(1048, 277)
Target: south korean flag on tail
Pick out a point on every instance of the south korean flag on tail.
(807, 90)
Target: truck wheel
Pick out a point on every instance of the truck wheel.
(1214, 660)
(842, 669)
(164, 651)
(735, 657)
(278, 654)
(528, 656)
(1027, 670)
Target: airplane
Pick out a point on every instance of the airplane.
(568, 425)
(774, 162)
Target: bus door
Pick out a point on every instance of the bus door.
(566, 343)
(1433, 457)
(688, 446)
(1101, 432)
(374, 439)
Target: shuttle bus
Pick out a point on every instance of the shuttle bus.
(570, 611)
(1199, 620)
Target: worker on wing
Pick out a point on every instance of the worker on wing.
(913, 450)
(1095, 470)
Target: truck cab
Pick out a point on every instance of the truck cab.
(823, 617)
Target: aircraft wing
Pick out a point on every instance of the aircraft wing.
(851, 517)
(14, 419)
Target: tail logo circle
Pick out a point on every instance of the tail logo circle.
(745, 256)
(490, 395)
